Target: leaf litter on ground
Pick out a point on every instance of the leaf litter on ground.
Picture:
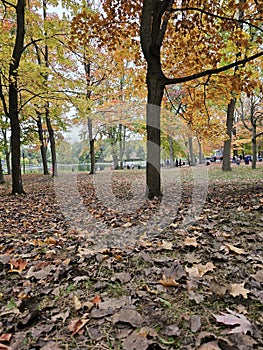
(161, 293)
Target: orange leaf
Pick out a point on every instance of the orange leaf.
(96, 300)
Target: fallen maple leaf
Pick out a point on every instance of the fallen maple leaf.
(238, 289)
(234, 319)
(199, 270)
(235, 249)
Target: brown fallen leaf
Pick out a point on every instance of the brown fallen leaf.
(258, 276)
(168, 282)
(5, 337)
(212, 345)
(238, 289)
(17, 265)
(135, 342)
(199, 270)
(166, 245)
(191, 241)
(195, 323)
(235, 249)
(234, 319)
(5, 347)
(128, 315)
(76, 326)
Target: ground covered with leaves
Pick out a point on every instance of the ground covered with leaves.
(194, 286)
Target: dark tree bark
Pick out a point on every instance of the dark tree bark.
(47, 113)
(2, 180)
(43, 144)
(122, 140)
(254, 146)
(151, 40)
(52, 144)
(87, 67)
(17, 186)
(171, 151)
(226, 165)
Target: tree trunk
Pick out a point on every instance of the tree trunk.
(6, 151)
(201, 156)
(191, 151)
(254, 146)
(43, 146)
(226, 165)
(122, 139)
(7, 160)
(171, 151)
(52, 144)
(17, 186)
(91, 147)
(2, 180)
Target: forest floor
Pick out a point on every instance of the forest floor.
(87, 263)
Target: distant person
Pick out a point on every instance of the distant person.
(247, 158)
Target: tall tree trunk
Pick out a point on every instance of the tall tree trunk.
(17, 186)
(153, 109)
(6, 151)
(113, 141)
(47, 113)
(200, 153)
(254, 146)
(171, 151)
(2, 180)
(152, 31)
(226, 165)
(91, 147)
(191, 151)
(52, 144)
(122, 139)
(43, 146)
(7, 160)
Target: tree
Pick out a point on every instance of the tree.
(252, 117)
(154, 24)
(11, 109)
(182, 41)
